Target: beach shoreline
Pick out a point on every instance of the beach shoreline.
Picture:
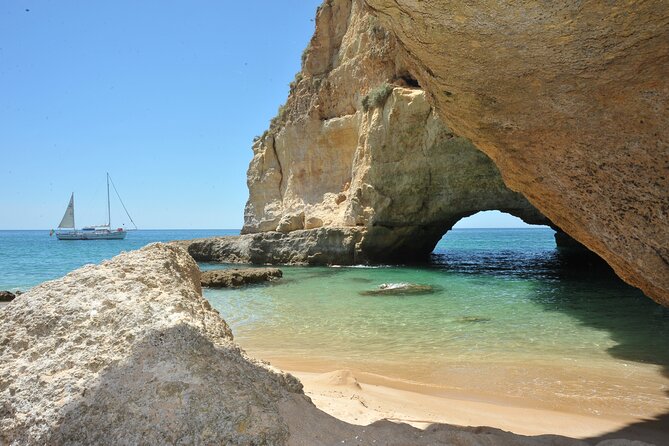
(364, 398)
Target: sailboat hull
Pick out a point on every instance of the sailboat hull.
(91, 235)
(66, 228)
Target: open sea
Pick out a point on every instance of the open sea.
(502, 315)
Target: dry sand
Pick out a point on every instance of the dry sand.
(363, 398)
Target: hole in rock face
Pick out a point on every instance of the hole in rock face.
(494, 242)
(493, 220)
(500, 243)
(420, 243)
(407, 80)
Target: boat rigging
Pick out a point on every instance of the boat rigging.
(67, 230)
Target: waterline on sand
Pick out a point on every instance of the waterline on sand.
(508, 323)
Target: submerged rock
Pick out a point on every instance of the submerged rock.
(223, 278)
(359, 279)
(7, 296)
(400, 289)
(467, 319)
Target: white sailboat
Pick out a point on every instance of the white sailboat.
(67, 231)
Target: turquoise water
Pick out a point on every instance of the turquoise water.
(495, 293)
(508, 315)
(31, 257)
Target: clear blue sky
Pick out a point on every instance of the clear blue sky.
(165, 95)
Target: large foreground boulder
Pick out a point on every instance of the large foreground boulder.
(128, 352)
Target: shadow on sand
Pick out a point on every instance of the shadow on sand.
(580, 284)
(592, 294)
(177, 387)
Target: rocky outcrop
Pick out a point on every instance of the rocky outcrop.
(358, 145)
(320, 246)
(571, 102)
(400, 289)
(233, 277)
(6, 296)
(128, 352)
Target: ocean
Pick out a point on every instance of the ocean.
(502, 315)
(28, 258)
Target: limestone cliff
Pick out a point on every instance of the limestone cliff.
(383, 127)
(358, 145)
(571, 101)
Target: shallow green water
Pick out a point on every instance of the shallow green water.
(502, 298)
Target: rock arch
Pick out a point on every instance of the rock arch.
(395, 172)
(358, 149)
(357, 166)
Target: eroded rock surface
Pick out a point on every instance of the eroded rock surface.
(571, 101)
(320, 246)
(128, 352)
(233, 277)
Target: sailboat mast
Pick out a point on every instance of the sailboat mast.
(108, 206)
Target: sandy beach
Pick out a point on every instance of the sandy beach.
(362, 398)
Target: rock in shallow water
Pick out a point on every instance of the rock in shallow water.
(400, 289)
(6, 296)
(322, 246)
(474, 319)
(223, 278)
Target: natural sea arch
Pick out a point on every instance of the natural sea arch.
(415, 243)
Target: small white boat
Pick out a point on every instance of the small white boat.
(66, 229)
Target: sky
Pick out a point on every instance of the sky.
(164, 95)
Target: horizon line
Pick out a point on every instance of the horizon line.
(239, 229)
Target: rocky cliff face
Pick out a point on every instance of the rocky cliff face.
(383, 127)
(571, 102)
(358, 145)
